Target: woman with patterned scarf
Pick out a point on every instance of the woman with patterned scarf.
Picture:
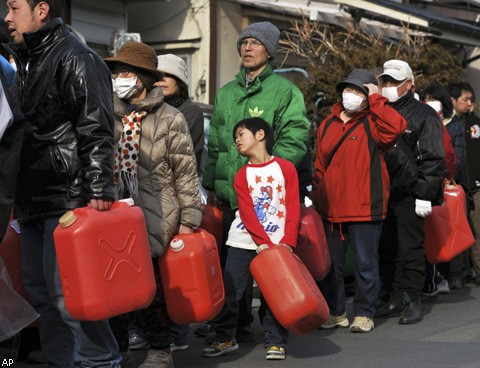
(155, 165)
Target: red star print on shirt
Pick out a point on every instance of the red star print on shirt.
(282, 201)
(270, 179)
(250, 188)
(279, 188)
(280, 214)
(258, 179)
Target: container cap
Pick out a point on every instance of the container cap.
(128, 201)
(67, 219)
(177, 245)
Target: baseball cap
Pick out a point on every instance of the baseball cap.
(397, 69)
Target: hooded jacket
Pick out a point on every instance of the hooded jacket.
(416, 162)
(168, 187)
(66, 98)
(352, 184)
(271, 97)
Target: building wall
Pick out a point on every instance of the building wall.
(97, 21)
(180, 27)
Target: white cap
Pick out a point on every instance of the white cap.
(177, 244)
(398, 70)
(174, 65)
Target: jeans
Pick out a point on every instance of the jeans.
(65, 341)
(236, 276)
(364, 238)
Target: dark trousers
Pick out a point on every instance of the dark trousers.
(236, 276)
(245, 317)
(402, 255)
(364, 238)
(156, 328)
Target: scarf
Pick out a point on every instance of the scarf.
(126, 157)
(175, 100)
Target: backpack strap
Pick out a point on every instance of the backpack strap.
(345, 136)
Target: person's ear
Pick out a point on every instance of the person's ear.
(260, 135)
(42, 10)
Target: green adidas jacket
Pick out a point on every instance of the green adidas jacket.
(271, 97)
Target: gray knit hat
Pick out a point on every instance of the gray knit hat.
(266, 33)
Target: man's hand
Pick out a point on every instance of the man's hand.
(423, 208)
(185, 230)
(100, 204)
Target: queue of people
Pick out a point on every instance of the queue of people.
(98, 131)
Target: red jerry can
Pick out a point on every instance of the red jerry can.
(192, 278)
(447, 232)
(104, 261)
(11, 253)
(212, 222)
(312, 247)
(289, 290)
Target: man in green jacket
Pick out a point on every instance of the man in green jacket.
(256, 91)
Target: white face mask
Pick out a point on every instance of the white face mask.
(437, 105)
(351, 102)
(391, 93)
(125, 87)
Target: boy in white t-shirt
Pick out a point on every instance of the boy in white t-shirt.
(268, 215)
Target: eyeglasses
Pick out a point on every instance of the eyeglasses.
(253, 43)
(122, 73)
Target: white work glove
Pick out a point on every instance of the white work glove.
(423, 208)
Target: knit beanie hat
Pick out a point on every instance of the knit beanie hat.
(174, 65)
(266, 33)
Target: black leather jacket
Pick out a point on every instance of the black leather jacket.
(416, 162)
(65, 93)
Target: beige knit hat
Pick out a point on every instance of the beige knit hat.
(174, 65)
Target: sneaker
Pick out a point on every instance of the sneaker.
(443, 287)
(275, 353)
(204, 330)
(335, 321)
(128, 361)
(157, 359)
(218, 348)
(362, 324)
(137, 340)
(456, 283)
(175, 347)
(37, 357)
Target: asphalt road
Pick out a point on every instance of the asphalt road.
(448, 336)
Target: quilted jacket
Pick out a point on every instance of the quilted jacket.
(168, 186)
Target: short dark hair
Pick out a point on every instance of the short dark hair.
(254, 125)
(441, 94)
(55, 6)
(456, 89)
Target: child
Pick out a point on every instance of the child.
(268, 215)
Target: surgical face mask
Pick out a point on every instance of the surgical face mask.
(351, 101)
(437, 105)
(391, 93)
(125, 87)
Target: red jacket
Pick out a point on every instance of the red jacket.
(450, 157)
(355, 185)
